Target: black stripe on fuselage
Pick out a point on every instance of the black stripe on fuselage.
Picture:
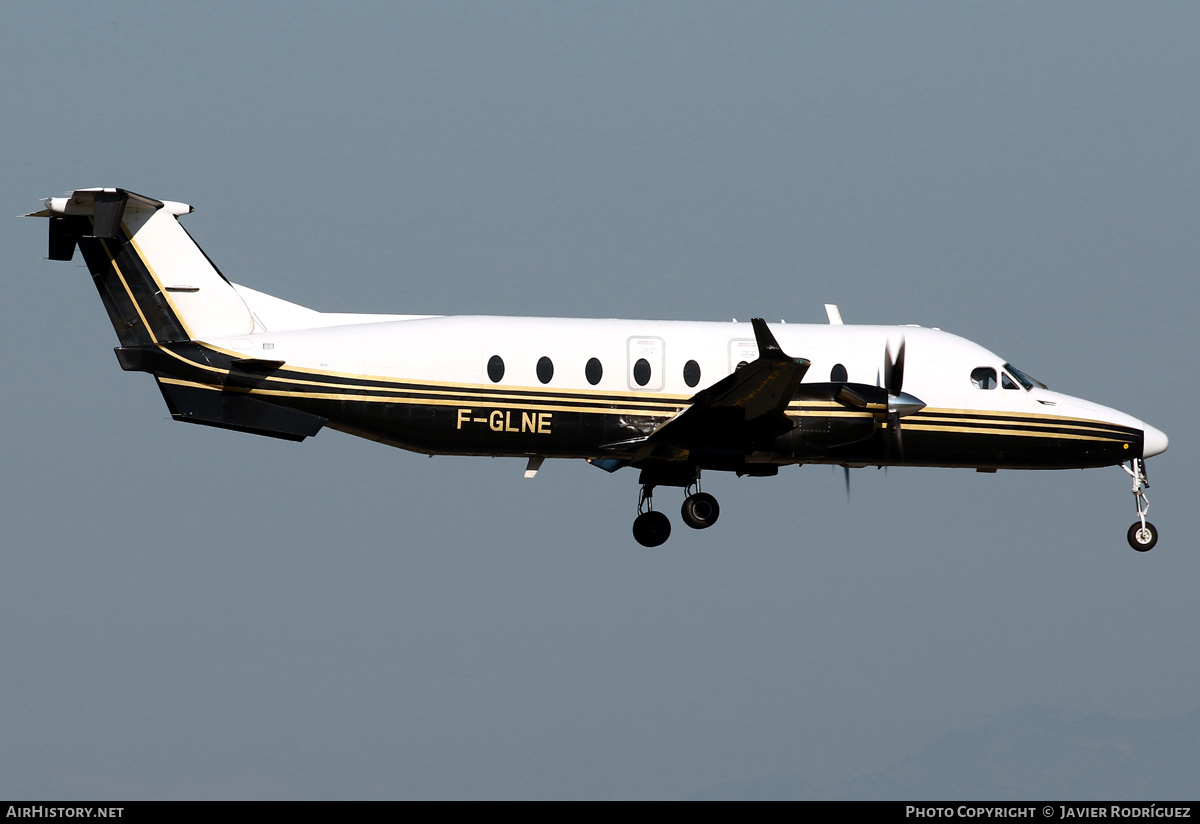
(323, 383)
(989, 448)
(293, 383)
(430, 418)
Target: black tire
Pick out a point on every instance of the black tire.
(651, 529)
(1142, 541)
(700, 511)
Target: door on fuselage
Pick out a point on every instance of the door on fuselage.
(741, 352)
(644, 370)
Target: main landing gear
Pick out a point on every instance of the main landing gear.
(1143, 535)
(700, 510)
(651, 528)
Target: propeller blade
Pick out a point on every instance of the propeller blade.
(899, 403)
(893, 373)
(846, 469)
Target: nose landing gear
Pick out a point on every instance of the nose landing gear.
(1143, 535)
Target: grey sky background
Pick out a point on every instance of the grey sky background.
(186, 612)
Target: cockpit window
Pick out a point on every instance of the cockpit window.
(984, 377)
(1007, 382)
(1026, 381)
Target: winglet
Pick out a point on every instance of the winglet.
(768, 347)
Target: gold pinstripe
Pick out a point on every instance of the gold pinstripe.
(534, 405)
(120, 276)
(157, 281)
(667, 404)
(997, 413)
(481, 392)
(983, 430)
(1059, 423)
(531, 404)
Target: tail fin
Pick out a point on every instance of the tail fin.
(156, 283)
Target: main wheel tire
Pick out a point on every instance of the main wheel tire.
(651, 529)
(1143, 540)
(700, 511)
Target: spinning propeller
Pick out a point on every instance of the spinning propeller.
(899, 402)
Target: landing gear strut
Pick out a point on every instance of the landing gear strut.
(650, 528)
(1142, 535)
(700, 510)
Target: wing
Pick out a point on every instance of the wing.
(736, 411)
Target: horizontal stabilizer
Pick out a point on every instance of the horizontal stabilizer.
(237, 411)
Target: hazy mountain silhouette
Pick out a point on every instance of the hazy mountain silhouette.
(1032, 753)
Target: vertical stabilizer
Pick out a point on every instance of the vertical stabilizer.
(156, 283)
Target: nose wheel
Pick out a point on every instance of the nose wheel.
(1143, 535)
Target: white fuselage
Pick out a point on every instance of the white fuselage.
(455, 350)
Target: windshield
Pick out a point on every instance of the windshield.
(1026, 381)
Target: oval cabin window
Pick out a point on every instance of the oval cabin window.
(594, 371)
(691, 373)
(641, 372)
(838, 374)
(545, 369)
(496, 368)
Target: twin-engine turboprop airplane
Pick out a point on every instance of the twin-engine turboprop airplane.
(669, 398)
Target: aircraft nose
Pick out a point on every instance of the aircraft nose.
(1154, 441)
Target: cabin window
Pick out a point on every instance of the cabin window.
(838, 374)
(740, 365)
(641, 372)
(691, 373)
(1007, 382)
(984, 377)
(545, 369)
(496, 368)
(594, 371)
